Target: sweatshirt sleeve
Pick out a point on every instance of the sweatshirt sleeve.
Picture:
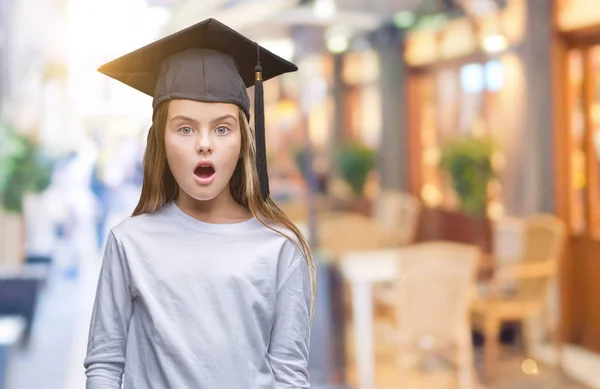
(290, 335)
(105, 360)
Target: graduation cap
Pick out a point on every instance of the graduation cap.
(208, 62)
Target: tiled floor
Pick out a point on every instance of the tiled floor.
(441, 376)
(54, 357)
(578, 362)
(511, 377)
(43, 363)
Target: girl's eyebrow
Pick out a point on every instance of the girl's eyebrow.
(183, 118)
(214, 121)
(225, 117)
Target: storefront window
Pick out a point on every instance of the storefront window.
(431, 182)
(360, 75)
(445, 99)
(453, 102)
(584, 114)
(594, 139)
(472, 94)
(494, 76)
(578, 160)
(471, 78)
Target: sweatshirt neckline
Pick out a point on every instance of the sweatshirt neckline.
(243, 226)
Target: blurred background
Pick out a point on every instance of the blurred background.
(442, 156)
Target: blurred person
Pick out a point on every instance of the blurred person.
(99, 187)
(208, 283)
(72, 192)
(81, 207)
(122, 190)
(41, 219)
(101, 191)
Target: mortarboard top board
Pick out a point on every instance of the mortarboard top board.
(207, 62)
(140, 69)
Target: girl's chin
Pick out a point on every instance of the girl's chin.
(203, 193)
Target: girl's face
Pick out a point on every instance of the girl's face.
(202, 144)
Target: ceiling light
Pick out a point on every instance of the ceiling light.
(324, 9)
(337, 43)
(495, 43)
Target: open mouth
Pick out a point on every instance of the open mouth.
(204, 170)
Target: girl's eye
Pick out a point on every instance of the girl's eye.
(185, 130)
(222, 130)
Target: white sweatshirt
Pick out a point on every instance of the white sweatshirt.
(184, 304)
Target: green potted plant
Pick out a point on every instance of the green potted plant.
(468, 162)
(24, 169)
(354, 163)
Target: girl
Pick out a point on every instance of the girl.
(208, 284)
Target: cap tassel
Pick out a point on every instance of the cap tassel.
(259, 132)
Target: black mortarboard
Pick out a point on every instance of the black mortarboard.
(207, 62)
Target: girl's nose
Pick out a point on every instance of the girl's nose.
(204, 143)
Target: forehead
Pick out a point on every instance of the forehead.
(201, 111)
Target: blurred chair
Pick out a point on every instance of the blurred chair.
(398, 212)
(343, 232)
(295, 210)
(431, 299)
(507, 245)
(507, 235)
(531, 275)
(340, 191)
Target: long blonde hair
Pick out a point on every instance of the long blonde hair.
(159, 186)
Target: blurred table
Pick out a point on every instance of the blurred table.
(361, 270)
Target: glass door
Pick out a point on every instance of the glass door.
(584, 129)
(593, 137)
(577, 150)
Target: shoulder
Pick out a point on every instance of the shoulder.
(288, 242)
(140, 225)
(288, 249)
